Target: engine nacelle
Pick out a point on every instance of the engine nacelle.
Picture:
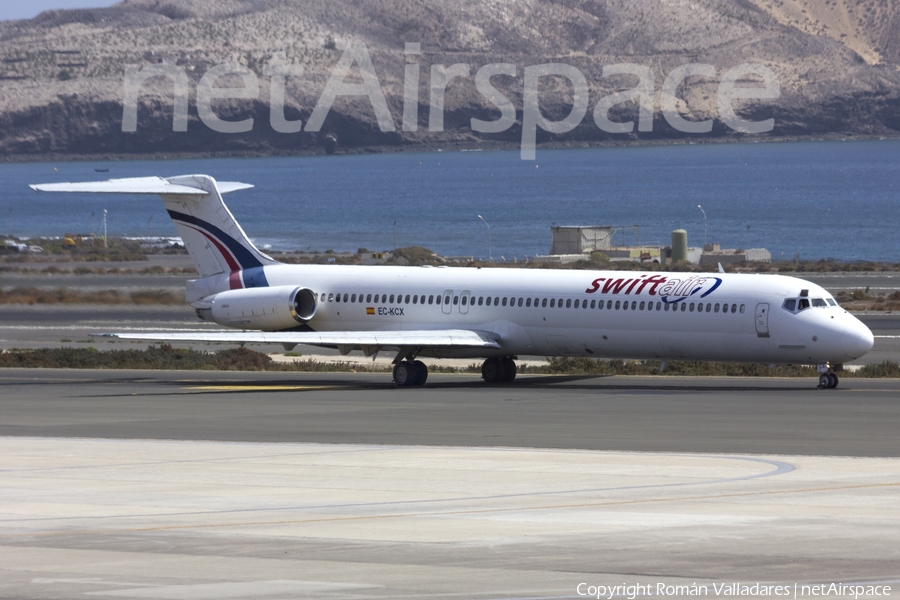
(267, 309)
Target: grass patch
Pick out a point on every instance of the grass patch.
(65, 295)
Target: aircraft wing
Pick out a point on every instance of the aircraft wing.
(366, 340)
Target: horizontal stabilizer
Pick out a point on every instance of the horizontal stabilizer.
(137, 185)
(447, 338)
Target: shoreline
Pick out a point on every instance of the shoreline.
(450, 146)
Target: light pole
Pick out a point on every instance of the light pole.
(490, 245)
(105, 245)
(704, 223)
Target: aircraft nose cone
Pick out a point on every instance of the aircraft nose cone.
(858, 340)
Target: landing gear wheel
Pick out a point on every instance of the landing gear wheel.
(421, 372)
(404, 373)
(492, 370)
(410, 373)
(828, 381)
(509, 369)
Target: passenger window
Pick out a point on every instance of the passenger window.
(659, 306)
(683, 306)
(464, 300)
(455, 300)
(528, 303)
(577, 303)
(552, 302)
(330, 297)
(430, 299)
(480, 300)
(353, 298)
(416, 299)
(446, 299)
(568, 303)
(641, 306)
(617, 304)
(544, 303)
(504, 301)
(709, 307)
(593, 303)
(488, 301)
(691, 308)
(634, 305)
(520, 303)
(716, 309)
(407, 300)
(536, 300)
(609, 304)
(742, 308)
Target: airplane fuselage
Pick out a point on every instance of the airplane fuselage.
(611, 314)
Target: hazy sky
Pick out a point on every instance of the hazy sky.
(14, 9)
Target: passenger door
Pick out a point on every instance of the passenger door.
(464, 299)
(446, 307)
(762, 320)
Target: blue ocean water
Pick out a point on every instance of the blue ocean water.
(812, 199)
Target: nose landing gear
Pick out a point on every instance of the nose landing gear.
(827, 379)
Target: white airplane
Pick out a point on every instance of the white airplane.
(495, 314)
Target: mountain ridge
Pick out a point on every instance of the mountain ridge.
(62, 73)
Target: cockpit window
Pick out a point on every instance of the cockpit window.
(796, 305)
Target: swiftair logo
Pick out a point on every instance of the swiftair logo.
(669, 289)
(757, 82)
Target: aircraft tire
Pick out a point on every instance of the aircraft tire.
(832, 380)
(509, 369)
(421, 372)
(492, 370)
(404, 374)
(824, 381)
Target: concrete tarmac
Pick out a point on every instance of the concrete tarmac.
(343, 486)
(665, 414)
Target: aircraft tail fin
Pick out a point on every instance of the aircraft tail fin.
(209, 231)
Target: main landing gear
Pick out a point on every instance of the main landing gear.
(408, 373)
(498, 370)
(827, 379)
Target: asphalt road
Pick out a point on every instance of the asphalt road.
(672, 414)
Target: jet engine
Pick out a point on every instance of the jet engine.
(266, 309)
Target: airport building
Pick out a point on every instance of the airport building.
(574, 243)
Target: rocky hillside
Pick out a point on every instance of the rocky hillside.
(62, 74)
